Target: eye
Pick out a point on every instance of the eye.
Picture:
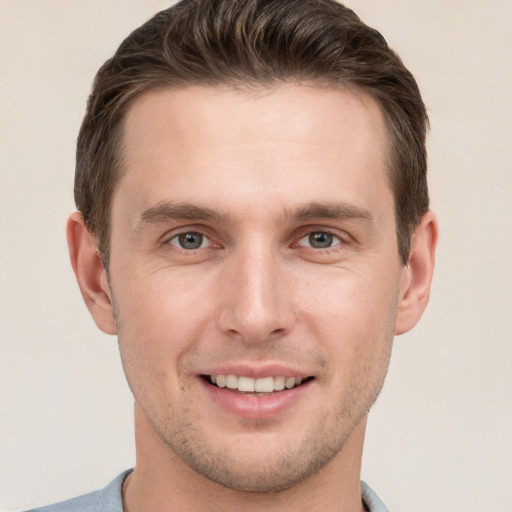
(189, 241)
(319, 240)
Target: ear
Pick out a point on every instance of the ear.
(90, 274)
(417, 275)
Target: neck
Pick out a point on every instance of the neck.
(161, 481)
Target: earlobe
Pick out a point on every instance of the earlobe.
(417, 275)
(90, 274)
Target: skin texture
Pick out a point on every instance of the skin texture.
(255, 174)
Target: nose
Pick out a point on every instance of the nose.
(257, 297)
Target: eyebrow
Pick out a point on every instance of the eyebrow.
(163, 212)
(167, 211)
(336, 211)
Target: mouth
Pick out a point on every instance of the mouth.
(262, 386)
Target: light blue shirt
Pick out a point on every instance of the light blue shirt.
(109, 499)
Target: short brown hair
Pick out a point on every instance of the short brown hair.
(246, 43)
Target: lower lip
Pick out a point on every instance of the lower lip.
(254, 406)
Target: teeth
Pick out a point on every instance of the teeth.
(264, 385)
(245, 384)
(279, 383)
(250, 385)
(231, 381)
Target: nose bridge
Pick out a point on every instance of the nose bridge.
(256, 302)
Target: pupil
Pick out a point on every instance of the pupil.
(191, 240)
(320, 240)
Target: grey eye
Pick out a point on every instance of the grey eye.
(320, 239)
(189, 241)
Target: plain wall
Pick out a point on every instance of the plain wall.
(440, 435)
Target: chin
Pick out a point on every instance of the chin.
(262, 466)
(266, 478)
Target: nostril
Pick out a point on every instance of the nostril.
(277, 333)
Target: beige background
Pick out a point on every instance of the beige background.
(440, 435)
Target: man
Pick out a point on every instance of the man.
(254, 226)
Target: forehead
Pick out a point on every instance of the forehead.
(217, 145)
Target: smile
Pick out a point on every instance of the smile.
(257, 396)
(252, 385)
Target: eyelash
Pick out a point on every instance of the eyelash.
(334, 245)
(341, 241)
(190, 232)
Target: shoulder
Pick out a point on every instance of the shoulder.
(108, 499)
(371, 501)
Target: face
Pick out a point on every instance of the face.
(255, 275)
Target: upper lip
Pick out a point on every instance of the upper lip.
(257, 371)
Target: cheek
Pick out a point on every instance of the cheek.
(352, 314)
(363, 297)
(162, 302)
(159, 320)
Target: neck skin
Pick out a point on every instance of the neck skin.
(161, 481)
